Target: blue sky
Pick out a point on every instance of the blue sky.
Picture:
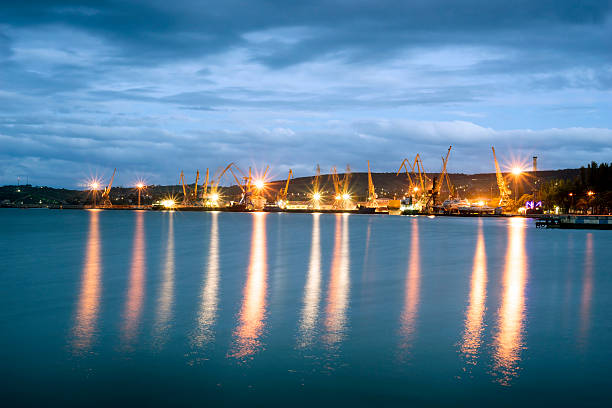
(155, 87)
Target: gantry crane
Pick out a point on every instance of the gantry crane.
(106, 202)
(504, 192)
(281, 198)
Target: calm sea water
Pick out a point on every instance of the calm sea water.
(157, 308)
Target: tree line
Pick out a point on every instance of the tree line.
(588, 193)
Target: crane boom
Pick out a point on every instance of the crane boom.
(195, 188)
(371, 190)
(504, 191)
(107, 189)
(282, 193)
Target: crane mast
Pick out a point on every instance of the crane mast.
(106, 192)
(281, 199)
(504, 191)
(371, 191)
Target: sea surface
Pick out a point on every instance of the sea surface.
(112, 308)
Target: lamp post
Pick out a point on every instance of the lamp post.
(517, 172)
(94, 189)
(139, 186)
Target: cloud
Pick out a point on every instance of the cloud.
(156, 87)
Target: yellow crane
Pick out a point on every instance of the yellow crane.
(281, 198)
(504, 191)
(213, 198)
(336, 183)
(195, 188)
(315, 201)
(185, 188)
(106, 193)
(205, 187)
(415, 170)
(371, 191)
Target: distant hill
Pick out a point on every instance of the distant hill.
(388, 185)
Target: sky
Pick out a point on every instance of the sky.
(155, 87)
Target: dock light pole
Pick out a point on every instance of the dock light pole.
(517, 172)
(94, 189)
(139, 186)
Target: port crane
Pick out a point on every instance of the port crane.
(315, 201)
(182, 183)
(212, 198)
(281, 198)
(504, 191)
(250, 190)
(438, 186)
(371, 190)
(106, 193)
(415, 170)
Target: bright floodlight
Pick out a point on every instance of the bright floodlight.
(346, 196)
(516, 171)
(168, 203)
(316, 196)
(139, 186)
(590, 193)
(94, 185)
(214, 197)
(415, 189)
(259, 184)
(338, 197)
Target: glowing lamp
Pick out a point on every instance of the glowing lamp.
(316, 196)
(338, 197)
(214, 197)
(139, 186)
(346, 196)
(415, 189)
(259, 184)
(94, 185)
(590, 193)
(516, 171)
(168, 203)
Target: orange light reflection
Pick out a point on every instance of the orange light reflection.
(209, 298)
(337, 299)
(135, 293)
(508, 341)
(474, 315)
(89, 297)
(253, 310)
(166, 290)
(312, 291)
(413, 282)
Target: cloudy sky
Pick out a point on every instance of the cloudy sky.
(152, 87)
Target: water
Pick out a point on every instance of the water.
(151, 308)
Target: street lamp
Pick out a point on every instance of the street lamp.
(139, 186)
(94, 188)
(517, 172)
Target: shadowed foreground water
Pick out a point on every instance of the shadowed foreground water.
(151, 308)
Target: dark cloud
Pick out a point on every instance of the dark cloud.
(153, 86)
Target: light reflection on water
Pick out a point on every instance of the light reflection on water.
(338, 292)
(411, 293)
(474, 315)
(207, 314)
(165, 295)
(312, 290)
(89, 296)
(253, 311)
(587, 291)
(508, 340)
(136, 286)
(314, 314)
